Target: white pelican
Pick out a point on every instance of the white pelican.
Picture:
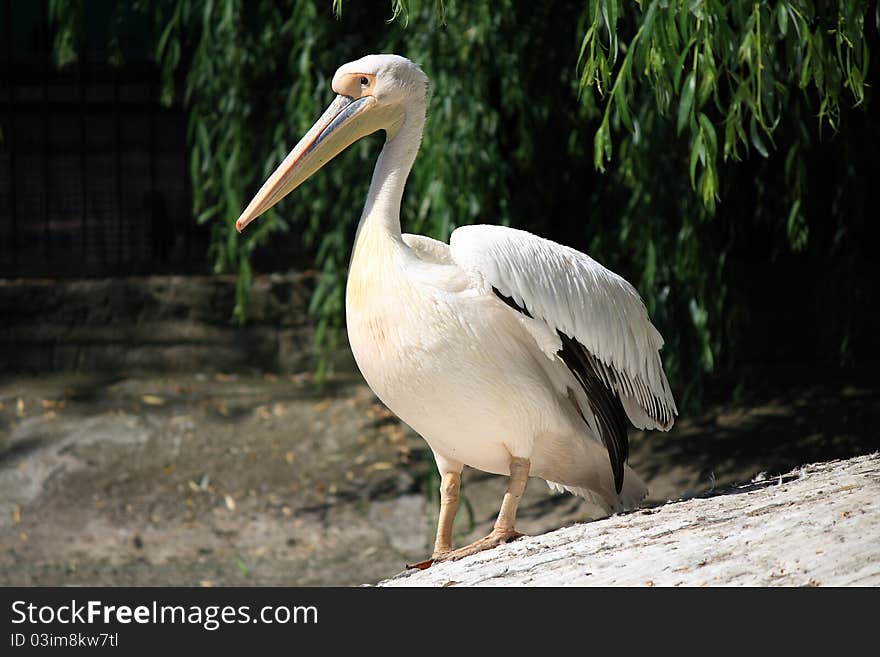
(507, 352)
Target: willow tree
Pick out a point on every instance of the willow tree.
(684, 143)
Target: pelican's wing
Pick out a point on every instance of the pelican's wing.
(604, 335)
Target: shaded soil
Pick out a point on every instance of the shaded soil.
(260, 480)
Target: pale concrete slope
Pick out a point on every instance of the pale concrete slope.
(818, 525)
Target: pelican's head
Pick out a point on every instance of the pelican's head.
(374, 93)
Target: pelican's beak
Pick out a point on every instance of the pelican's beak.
(342, 124)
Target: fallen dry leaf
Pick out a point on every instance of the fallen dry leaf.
(290, 457)
(16, 514)
(152, 400)
(321, 406)
(380, 465)
(395, 433)
(301, 378)
(230, 502)
(379, 411)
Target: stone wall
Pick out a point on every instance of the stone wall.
(156, 323)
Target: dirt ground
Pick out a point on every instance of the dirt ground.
(219, 480)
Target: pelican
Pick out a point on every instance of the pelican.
(505, 351)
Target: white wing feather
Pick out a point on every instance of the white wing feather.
(576, 295)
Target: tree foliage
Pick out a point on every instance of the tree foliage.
(691, 89)
(663, 137)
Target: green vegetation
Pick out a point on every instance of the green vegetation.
(712, 152)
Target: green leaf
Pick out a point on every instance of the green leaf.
(204, 143)
(782, 18)
(607, 141)
(622, 109)
(708, 131)
(755, 136)
(650, 264)
(679, 65)
(798, 232)
(208, 214)
(648, 21)
(687, 100)
(708, 187)
(696, 149)
(231, 247)
(707, 85)
(586, 41)
(602, 145)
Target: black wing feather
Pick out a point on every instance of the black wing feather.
(510, 302)
(604, 402)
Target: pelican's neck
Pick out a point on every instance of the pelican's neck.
(382, 210)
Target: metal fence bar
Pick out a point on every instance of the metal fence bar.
(154, 93)
(94, 134)
(83, 161)
(191, 227)
(46, 154)
(10, 138)
(117, 165)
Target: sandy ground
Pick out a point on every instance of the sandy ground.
(260, 480)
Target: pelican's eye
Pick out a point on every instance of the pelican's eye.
(365, 82)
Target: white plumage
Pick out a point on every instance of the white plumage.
(574, 294)
(505, 351)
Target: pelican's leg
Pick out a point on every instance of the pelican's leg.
(449, 495)
(450, 485)
(505, 526)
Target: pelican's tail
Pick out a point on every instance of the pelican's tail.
(634, 491)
